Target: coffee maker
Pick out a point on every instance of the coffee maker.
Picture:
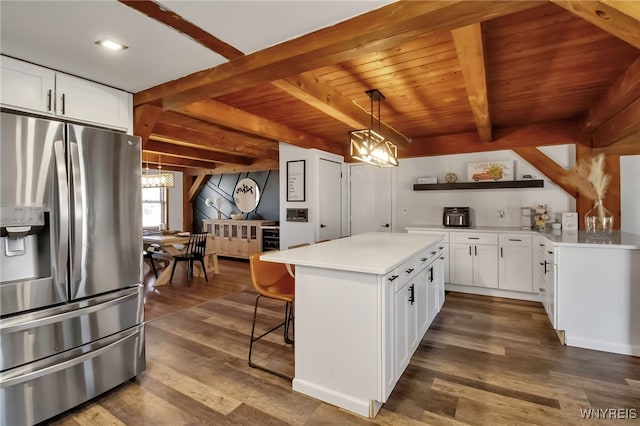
(527, 219)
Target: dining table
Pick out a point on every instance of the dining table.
(167, 245)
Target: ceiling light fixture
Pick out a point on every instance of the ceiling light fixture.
(111, 45)
(157, 180)
(369, 145)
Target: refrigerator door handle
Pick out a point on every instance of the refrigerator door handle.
(77, 217)
(63, 214)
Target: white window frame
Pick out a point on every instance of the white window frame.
(164, 203)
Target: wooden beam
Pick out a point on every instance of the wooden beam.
(556, 173)
(610, 16)
(226, 136)
(199, 182)
(144, 120)
(259, 165)
(177, 134)
(470, 48)
(540, 134)
(627, 146)
(196, 154)
(619, 96)
(234, 118)
(162, 14)
(385, 27)
(624, 124)
(169, 161)
(307, 88)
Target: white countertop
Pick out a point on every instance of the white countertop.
(372, 253)
(617, 239)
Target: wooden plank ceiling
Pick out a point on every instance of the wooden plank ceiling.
(457, 77)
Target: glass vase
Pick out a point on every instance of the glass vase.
(598, 220)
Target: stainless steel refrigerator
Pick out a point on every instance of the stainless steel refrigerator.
(71, 302)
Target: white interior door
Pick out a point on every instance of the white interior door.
(330, 189)
(370, 198)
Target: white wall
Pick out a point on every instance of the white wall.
(425, 207)
(292, 233)
(175, 203)
(630, 193)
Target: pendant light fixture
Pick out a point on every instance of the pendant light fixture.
(157, 180)
(369, 145)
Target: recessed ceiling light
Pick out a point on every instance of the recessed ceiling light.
(110, 44)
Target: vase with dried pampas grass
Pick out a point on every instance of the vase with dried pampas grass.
(591, 180)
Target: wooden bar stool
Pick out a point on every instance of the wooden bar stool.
(271, 280)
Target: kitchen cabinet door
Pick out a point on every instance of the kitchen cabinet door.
(27, 87)
(89, 102)
(515, 269)
(461, 264)
(485, 266)
(402, 324)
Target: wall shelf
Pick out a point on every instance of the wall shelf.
(534, 183)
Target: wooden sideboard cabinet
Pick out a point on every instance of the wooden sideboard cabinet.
(234, 238)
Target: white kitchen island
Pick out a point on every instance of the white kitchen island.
(362, 306)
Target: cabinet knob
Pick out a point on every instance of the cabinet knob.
(424, 259)
(541, 289)
(393, 277)
(322, 225)
(410, 270)
(386, 225)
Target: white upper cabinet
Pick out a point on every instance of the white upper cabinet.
(27, 87)
(39, 90)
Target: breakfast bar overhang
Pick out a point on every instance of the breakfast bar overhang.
(362, 305)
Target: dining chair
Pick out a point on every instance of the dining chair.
(291, 269)
(271, 280)
(147, 255)
(194, 251)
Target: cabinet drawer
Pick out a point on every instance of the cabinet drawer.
(523, 240)
(474, 237)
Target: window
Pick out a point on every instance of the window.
(154, 207)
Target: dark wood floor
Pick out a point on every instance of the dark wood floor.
(484, 361)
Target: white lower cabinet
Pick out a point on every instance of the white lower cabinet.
(474, 259)
(515, 263)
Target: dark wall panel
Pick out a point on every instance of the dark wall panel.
(222, 186)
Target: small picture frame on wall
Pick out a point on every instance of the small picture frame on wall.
(296, 180)
(490, 171)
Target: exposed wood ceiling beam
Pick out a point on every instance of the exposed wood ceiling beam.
(170, 162)
(627, 146)
(172, 19)
(624, 124)
(226, 136)
(176, 134)
(259, 165)
(549, 133)
(619, 96)
(551, 169)
(199, 182)
(144, 120)
(382, 28)
(196, 154)
(304, 87)
(228, 116)
(326, 99)
(614, 17)
(470, 48)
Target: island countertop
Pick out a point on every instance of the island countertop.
(372, 253)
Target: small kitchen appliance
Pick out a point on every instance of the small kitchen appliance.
(527, 219)
(456, 216)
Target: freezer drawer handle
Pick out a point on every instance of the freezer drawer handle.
(52, 319)
(12, 381)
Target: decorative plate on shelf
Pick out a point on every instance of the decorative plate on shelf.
(451, 177)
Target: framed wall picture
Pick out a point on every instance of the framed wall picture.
(295, 180)
(490, 171)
